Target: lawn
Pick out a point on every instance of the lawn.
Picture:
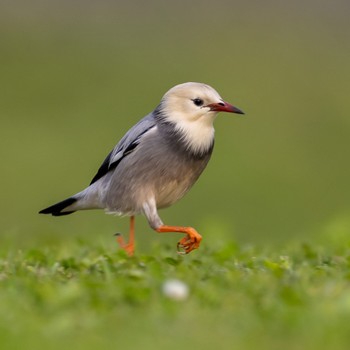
(85, 296)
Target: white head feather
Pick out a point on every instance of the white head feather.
(186, 106)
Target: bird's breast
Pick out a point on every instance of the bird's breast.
(160, 167)
(176, 178)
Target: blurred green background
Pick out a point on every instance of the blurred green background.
(76, 75)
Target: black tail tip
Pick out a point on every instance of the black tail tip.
(56, 209)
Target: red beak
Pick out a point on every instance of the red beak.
(224, 107)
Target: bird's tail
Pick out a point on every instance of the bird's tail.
(56, 209)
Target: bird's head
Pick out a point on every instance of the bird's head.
(192, 108)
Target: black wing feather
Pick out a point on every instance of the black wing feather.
(103, 169)
(107, 165)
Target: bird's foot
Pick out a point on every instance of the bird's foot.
(129, 248)
(190, 242)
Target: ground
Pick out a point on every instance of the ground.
(80, 295)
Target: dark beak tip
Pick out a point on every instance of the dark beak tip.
(238, 111)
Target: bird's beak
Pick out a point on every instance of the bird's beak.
(224, 107)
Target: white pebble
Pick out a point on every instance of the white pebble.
(175, 290)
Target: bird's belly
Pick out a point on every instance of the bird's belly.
(131, 202)
(171, 192)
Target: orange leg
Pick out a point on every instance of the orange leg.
(130, 246)
(190, 242)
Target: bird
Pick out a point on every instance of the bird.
(155, 163)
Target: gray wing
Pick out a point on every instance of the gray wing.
(125, 146)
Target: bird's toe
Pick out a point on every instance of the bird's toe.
(188, 243)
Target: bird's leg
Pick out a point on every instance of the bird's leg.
(190, 242)
(130, 246)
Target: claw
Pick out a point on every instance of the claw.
(120, 239)
(188, 243)
(180, 249)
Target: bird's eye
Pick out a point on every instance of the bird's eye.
(198, 102)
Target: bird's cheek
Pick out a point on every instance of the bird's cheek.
(211, 115)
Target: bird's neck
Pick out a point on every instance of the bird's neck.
(193, 137)
(198, 139)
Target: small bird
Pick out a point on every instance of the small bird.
(155, 164)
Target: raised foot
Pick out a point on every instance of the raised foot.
(129, 248)
(190, 242)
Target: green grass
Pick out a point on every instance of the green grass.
(82, 296)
